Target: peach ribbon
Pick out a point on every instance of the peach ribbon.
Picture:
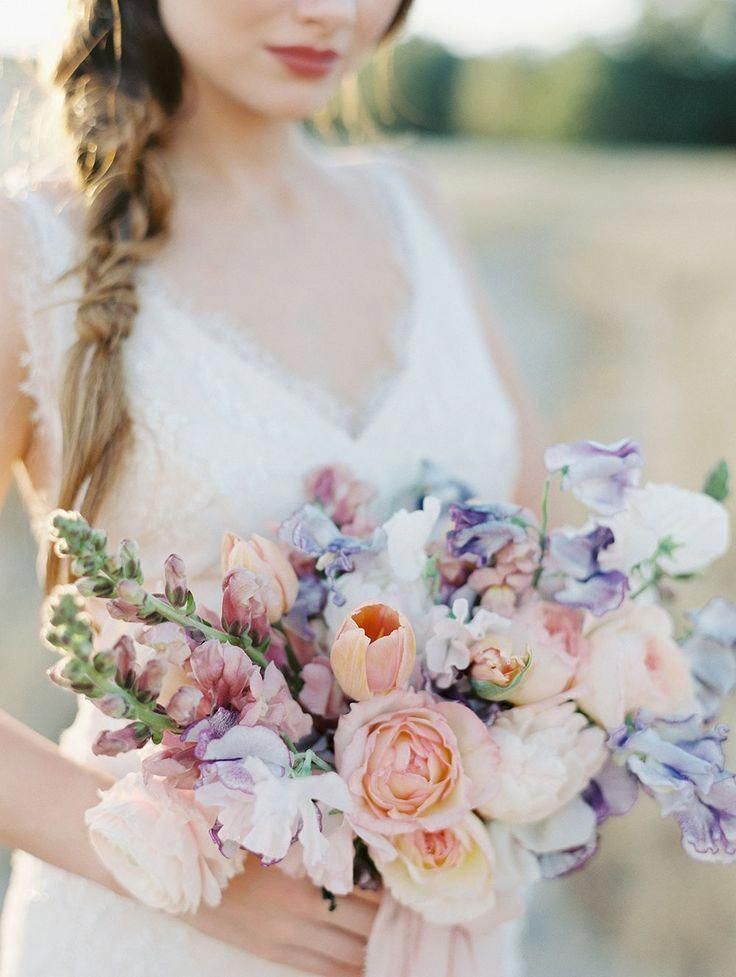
(402, 944)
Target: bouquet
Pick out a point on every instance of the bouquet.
(449, 703)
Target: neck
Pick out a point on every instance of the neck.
(221, 139)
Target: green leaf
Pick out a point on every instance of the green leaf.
(717, 484)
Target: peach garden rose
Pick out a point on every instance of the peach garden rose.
(412, 763)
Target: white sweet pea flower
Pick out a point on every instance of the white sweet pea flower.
(284, 809)
(448, 647)
(408, 535)
(688, 531)
(330, 866)
(486, 623)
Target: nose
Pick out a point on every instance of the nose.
(328, 13)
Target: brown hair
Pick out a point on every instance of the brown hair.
(122, 80)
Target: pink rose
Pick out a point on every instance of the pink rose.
(413, 763)
(633, 662)
(373, 652)
(279, 582)
(554, 636)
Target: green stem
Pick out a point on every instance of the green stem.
(543, 532)
(197, 624)
(652, 582)
(142, 712)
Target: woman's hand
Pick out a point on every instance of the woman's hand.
(287, 921)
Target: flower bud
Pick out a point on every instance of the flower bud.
(131, 592)
(95, 587)
(279, 582)
(176, 581)
(124, 656)
(495, 669)
(182, 707)
(149, 682)
(130, 560)
(112, 705)
(243, 610)
(112, 742)
(373, 652)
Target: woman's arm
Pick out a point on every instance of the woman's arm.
(43, 795)
(532, 473)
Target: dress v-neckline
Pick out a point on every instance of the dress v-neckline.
(353, 420)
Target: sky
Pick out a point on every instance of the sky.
(468, 26)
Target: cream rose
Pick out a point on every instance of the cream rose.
(413, 764)
(447, 876)
(633, 662)
(548, 754)
(156, 842)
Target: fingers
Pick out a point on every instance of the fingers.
(313, 962)
(354, 916)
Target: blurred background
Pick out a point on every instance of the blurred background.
(587, 148)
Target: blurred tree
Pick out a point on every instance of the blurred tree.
(672, 81)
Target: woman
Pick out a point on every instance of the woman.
(243, 305)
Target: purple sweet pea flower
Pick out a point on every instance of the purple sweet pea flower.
(599, 475)
(587, 587)
(480, 531)
(556, 865)
(612, 793)
(681, 764)
(310, 601)
(222, 746)
(711, 649)
(313, 533)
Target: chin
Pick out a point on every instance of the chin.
(291, 104)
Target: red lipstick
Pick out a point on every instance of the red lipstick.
(308, 62)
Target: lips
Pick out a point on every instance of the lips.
(306, 61)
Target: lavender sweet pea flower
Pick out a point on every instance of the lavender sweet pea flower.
(222, 747)
(681, 764)
(599, 475)
(482, 530)
(312, 532)
(612, 793)
(717, 621)
(711, 649)
(310, 601)
(587, 586)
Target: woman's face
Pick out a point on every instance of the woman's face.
(229, 44)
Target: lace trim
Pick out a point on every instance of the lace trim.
(353, 419)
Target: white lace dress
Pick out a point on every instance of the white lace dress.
(223, 437)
